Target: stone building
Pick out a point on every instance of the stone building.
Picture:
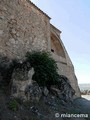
(24, 27)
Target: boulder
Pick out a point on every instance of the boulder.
(21, 79)
(63, 89)
(45, 91)
(33, 92)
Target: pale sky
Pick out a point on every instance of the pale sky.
(72, 17)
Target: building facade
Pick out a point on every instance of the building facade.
(24, 27)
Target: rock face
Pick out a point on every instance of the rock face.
(33, 92)
(21, 80)
(25, 88)
(6, 70)
(63, 90)
(24, 27)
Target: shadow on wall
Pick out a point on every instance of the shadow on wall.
(6, 69)
(56, 47)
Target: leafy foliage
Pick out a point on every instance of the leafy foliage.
(13, 105)
(45, 68)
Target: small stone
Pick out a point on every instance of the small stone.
(1, 17)
(45, 91)
(4, 9)
(12, 40)
(17, 34)
(13, 31)
(14, 89)
(12, 17)
(30, 74)
(1, 32)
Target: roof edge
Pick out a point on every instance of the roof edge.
(55, 28)
(38, 8)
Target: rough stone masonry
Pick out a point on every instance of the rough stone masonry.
(24, 27)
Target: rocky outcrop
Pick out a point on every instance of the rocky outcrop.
(25, 88)
(21, 79)
(33, 92)
(63, 90)
(26, 96)
(18, 74)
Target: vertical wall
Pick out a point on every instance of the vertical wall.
(23, 27)
(63, 61)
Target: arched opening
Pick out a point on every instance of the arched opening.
(56, 46)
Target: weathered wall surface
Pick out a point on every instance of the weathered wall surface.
(22, 28)
(69, 72)
(63, 61)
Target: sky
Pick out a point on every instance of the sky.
(72, 17)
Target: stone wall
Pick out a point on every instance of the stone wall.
(23, 28)
(69, 72)
(65, 66)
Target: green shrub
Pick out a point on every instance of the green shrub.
(13, 105)
(45, 68)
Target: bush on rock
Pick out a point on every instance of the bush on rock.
(45, 68)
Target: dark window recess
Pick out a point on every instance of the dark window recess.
(52, 50)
